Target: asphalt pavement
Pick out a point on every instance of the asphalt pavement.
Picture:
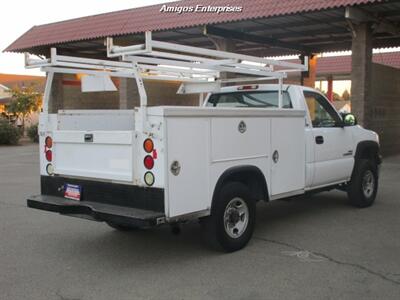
(314, 248)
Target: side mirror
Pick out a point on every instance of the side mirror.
(349, 120)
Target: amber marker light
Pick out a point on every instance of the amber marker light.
(48, 142)
(148, 145)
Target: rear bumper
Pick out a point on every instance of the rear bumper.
(124, 195)
(97, 211)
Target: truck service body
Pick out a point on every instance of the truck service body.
(169, 164)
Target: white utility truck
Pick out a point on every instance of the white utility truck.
(168, 164)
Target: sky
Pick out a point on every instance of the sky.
(19, 16)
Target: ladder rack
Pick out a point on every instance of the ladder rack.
(197, 64)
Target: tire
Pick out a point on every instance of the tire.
(121, 227)
(364, 184)
(233, 215)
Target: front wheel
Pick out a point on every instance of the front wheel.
(364, 184)
(232, 219)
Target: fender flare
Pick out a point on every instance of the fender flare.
(371, 146)
(244, 174)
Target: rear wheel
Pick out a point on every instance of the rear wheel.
(232, 219)
(364, 184)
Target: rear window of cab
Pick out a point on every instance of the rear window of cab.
(262, 99)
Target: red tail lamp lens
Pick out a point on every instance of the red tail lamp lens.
(48, 142)
(247, 87)
(49, 155)
(149, 162)
(148, 145)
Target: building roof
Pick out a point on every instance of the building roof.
(12, 80)
(341, 65)
(149, 18)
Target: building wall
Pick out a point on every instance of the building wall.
(4, 92)
(158, 93)
(384, 111)
(66, 94)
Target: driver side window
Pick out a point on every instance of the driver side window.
(321, 113)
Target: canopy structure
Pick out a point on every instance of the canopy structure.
(262, 28)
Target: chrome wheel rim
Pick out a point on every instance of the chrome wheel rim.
(236, 217)
(368, 184)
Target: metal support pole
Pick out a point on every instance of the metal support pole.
(140, 85)
(47, 92)
(201, 99)
(280, 104)
(142, 93)
(330, 88)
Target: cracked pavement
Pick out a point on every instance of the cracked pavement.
(311, 248)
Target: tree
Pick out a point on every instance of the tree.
(346, 95)
(336, 97)
(24, 102)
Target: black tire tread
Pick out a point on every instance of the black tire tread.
(354, 191)
(213, 229)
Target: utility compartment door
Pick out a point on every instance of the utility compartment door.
(287, 155)
(94, 154)
(188, 144)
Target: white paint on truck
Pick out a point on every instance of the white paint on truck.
(206, 142)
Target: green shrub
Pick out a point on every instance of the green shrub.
(9, 134)
(32, 133)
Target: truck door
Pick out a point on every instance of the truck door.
(333, 157)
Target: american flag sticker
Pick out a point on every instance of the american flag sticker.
(72, 191)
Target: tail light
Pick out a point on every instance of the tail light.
(148, 162)
(49, 155)
(48, 142)
(50, 169)
(248, 87)
(148, 145)
(149, 178)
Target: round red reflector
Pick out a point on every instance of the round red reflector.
(48, 142)
(148, 145)
(149, 162)
(49, 155)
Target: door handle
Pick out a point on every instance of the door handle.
(88, 138)
(319, 139)
(275, 156)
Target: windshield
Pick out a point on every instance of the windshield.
(249, 99)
